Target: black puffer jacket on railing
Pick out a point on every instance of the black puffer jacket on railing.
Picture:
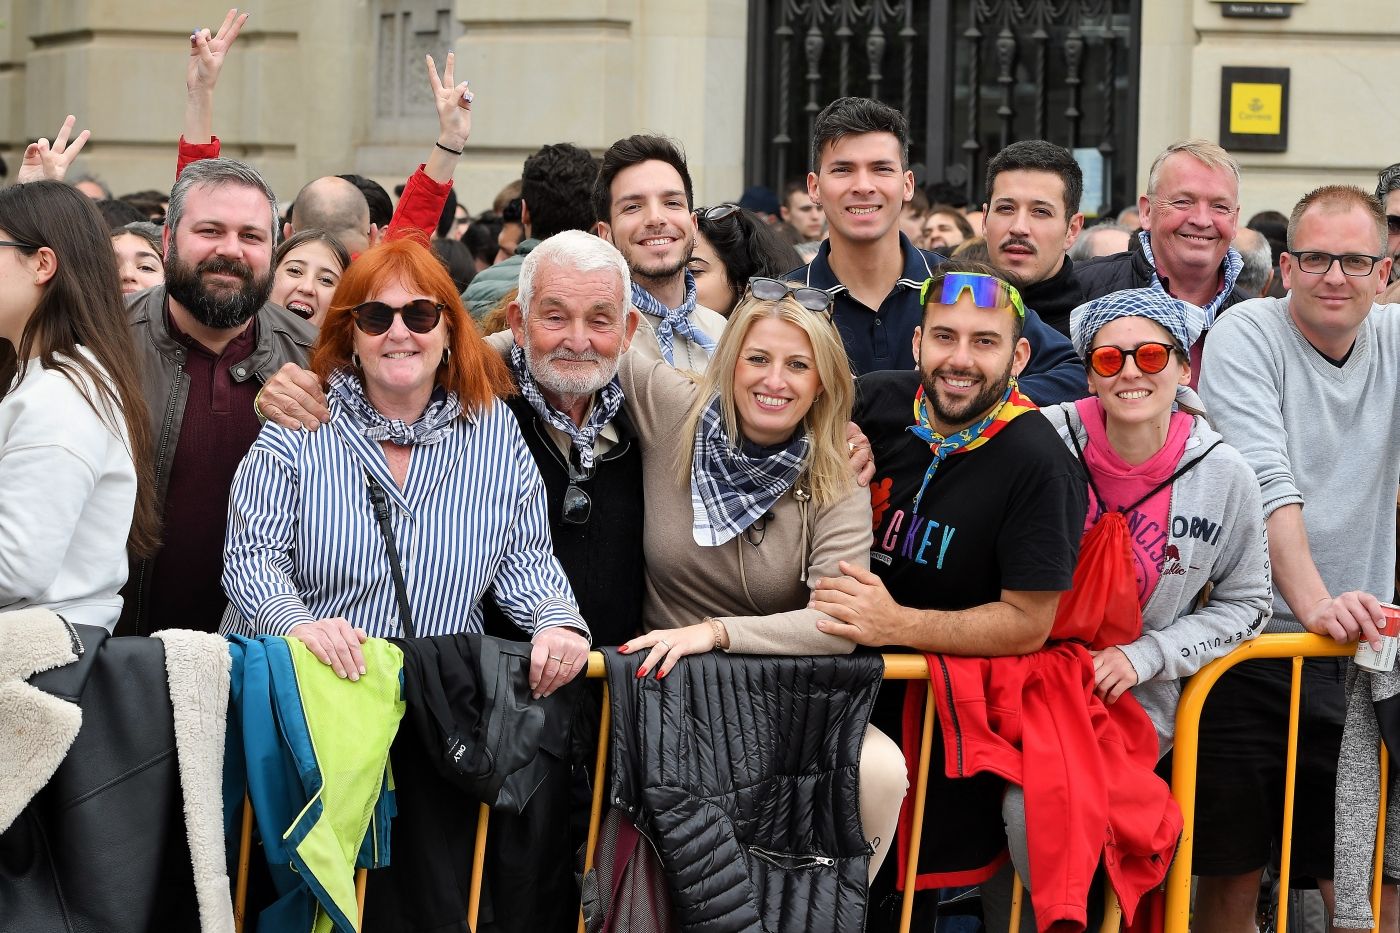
(742, 771)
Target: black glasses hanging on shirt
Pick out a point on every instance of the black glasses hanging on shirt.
(577, 505)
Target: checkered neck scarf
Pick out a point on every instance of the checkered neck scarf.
(430, 428)
(1234, 262)
(671, 321)
(730, 490)
(606, 404)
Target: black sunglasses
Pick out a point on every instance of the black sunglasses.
(1392, 224)
(813, 299)
(577, 505)
(718, 212)
(420, 316)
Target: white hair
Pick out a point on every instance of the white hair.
(576, 251)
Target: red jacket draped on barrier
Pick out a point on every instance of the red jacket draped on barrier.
(1086, 770)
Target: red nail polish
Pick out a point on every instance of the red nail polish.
(662, 674)
(641, 672)
(623, 650)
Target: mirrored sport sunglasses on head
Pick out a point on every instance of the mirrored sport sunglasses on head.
(375, 317)
(813, 299)
(987, 291)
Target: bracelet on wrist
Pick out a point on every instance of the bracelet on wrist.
(455, 152)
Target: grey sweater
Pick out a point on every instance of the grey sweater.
(1358, 790)
(1319, 435)
(1217, 528)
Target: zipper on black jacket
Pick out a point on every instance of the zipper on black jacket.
(138, 618)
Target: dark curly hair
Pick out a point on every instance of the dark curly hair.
(556, 186)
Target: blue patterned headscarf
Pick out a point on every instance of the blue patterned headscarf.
(1184, 321)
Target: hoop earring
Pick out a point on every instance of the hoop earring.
(355, 359)
(446, 356)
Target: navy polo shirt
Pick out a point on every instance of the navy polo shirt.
(884, 338)
(881, 338)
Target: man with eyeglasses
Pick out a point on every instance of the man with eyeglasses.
(1304, 387)
(1189, 216)
(860, 176)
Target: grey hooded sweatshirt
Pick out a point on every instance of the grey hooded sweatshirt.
(1217, 531)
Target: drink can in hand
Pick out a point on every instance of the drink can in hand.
(1383, 661)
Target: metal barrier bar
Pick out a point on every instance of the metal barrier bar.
(1378, 866)
(1187, 752)
(1290, 789)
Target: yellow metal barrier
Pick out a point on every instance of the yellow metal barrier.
(913, 667)
(1187, 751)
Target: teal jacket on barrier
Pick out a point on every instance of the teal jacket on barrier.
(312, 751)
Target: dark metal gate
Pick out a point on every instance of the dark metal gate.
(970, 75)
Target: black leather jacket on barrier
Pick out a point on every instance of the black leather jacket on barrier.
(102, 846)
(742, 771)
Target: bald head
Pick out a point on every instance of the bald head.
(336, 206)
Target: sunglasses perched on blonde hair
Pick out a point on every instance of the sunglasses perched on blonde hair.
(813, 299)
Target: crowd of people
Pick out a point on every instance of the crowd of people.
(1074, 463)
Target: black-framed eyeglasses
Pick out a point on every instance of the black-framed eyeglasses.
(420, 316)
(17, 245)
(1392, 224)
(1314, 262)
(813, 299)
(718, 212)
(577, 505)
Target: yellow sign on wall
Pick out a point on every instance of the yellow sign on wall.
(1256, 109)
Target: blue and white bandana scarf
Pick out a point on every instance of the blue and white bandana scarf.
(671, 321)
(606, 404)
(730, 490)
(1183, 320)
(1234, 262)
(430, 428)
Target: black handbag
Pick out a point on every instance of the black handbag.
(520, 738)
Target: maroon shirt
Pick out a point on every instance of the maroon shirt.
(218, 427)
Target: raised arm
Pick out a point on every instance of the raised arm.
(208, 52)
(425, 193)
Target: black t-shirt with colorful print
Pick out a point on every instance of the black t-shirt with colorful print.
(1006, 515)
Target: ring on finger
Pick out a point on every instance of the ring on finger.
(664, 643)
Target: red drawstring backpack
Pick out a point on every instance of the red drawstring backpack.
(1102, 609)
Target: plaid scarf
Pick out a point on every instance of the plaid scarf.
(1012, 405)
(606, 404)
(430, 428)
(730, 490)
(671, 321)
(1234, 262)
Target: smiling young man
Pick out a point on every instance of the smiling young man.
(860, 176)
(1303, 387)
(1189, 216)
(978, 508)
(1032, 219)
(644, 201)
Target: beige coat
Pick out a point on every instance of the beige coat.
(755, 583)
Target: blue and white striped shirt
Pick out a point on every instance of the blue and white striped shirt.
(303, 543)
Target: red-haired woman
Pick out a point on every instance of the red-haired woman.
(417, 417)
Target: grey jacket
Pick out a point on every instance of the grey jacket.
(1217, 531)
(1373, 701)
(282, 337)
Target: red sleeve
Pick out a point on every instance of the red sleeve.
(420, 207)
(193, 152)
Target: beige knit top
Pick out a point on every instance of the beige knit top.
(754, 583)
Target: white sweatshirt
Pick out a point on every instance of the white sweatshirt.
(67, 495)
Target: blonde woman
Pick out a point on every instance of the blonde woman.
(750, 500)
